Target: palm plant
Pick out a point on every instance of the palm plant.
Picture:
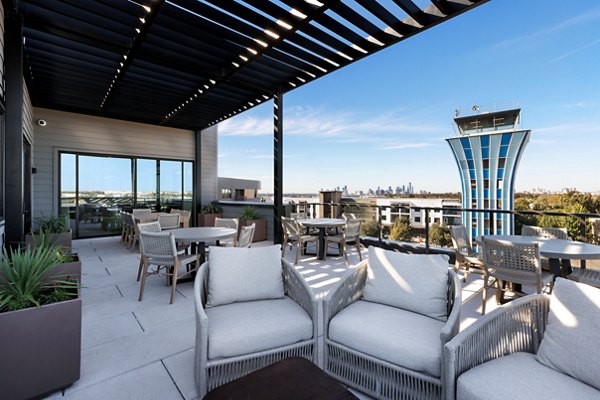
(51, 224)
(26, 282)
(250, 214)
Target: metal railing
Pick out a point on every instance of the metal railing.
(314, 210)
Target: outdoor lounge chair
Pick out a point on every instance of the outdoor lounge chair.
(536, 347)
(252, 309)
(385, 326)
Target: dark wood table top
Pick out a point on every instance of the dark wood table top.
(290, 379)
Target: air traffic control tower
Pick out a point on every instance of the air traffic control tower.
(487, 151)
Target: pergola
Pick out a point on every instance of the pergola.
(188, 63)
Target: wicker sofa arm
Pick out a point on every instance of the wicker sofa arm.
(455, 301)
(201, 349)
(298, 290)
(514, 327)
(347, 292)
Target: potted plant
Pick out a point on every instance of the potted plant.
(209, 213)
(251, 216)
(40, 322)
(55, 230)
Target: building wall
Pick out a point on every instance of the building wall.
(82, 133)
(488, 164)
(209, 190)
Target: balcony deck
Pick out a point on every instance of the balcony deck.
(145, 350)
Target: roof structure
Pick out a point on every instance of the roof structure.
(193, 63)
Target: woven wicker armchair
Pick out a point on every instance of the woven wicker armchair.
(246, 236)
(539, 346)
(372, 375)
(211, 373)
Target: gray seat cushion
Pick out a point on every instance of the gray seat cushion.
(571, 342)
(519, 376)
(398, 336)
(243, 328)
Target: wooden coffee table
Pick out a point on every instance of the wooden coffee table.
(290, 379)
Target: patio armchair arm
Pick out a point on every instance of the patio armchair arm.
(298, 290)
(452, 325)
(201, 348)
(514, 327)
(347, 292)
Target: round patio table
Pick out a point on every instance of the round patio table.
(200, 235)
(322, 224)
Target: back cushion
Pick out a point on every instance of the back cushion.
(244, 274)
(413, 282)
(571, 343)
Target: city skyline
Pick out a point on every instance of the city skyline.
(385, 119)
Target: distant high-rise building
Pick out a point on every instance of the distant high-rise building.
(487, 152)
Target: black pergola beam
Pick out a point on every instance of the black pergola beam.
(14, 190)
(277, 167)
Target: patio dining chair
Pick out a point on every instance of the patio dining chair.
(543, 232)
(232, 223)
(292, 233)
(141, 211)
(246, 236)
(159, 249)
(147, 227)
(516, 263)
(168, 221)
(350, 234)
(184, 217)
(464, 253)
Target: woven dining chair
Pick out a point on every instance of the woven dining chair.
(292, 232)
(169, 221)
(246, 236)
(350, 234)
(147, 227)
(464, 253)
(159, 249)
(232, 223)
(543, 232)
(514, 262)
(184, 217)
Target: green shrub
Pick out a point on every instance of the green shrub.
(370, 228)
(401, 230)
(440, 235)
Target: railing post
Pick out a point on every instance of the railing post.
(379, 226)
(582, 229)
(427, 231)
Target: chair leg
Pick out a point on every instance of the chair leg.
(358, 249)
(345, 250)
(484, 297)
(298, 249)
(498, 291)
(466, 274)
(326, 248)
(174, 281)
(141, 266)
(145, 273)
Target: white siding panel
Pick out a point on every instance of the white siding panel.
(88, 134)
(210, 159)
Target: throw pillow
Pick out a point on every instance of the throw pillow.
(244, 274)
(413, 282)
(570, 343)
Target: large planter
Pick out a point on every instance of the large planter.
(260, 229)
(68, 269)
(40, 349)
(207, 219)
(60, 239)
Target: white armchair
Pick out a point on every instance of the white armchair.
(387, 340)
(252, 309)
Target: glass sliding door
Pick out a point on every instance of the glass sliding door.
(105, 187)
(95, 188)
(171, 184)
(147, 183)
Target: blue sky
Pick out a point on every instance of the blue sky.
(382, 120)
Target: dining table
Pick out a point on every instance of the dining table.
(200, 235)
(555, 249)
(322, 224)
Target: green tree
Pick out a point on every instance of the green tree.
(370, 228)
(440, 235)
(401, 230)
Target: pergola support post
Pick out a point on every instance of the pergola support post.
(277, 167)
(13, 135)
(197, 178)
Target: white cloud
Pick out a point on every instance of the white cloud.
(581, 127)
(401, 146)
(346, 126)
